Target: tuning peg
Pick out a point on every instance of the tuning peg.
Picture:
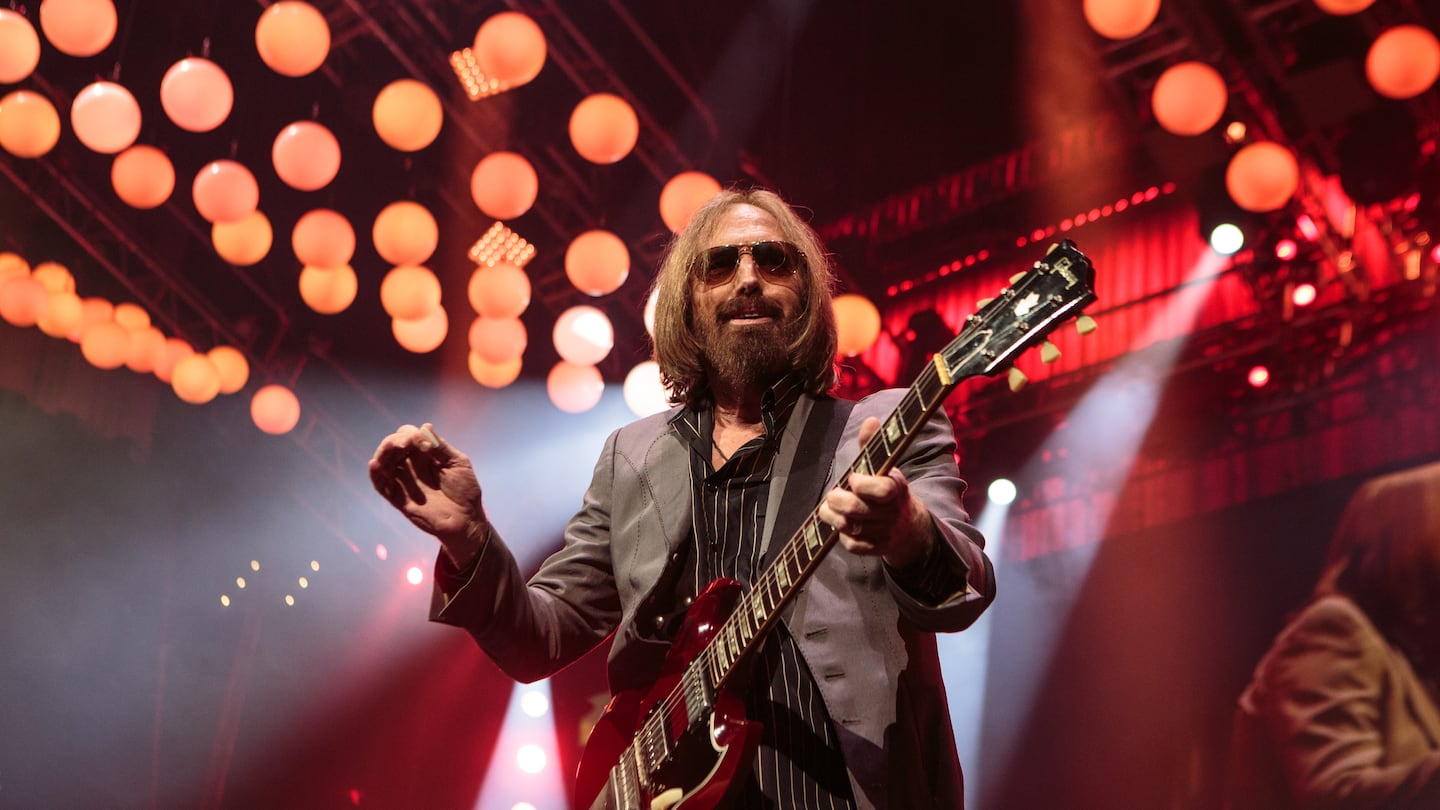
(1049, 352)
(1017, 379)
(1085, 324)
(982, 302)
(1017, 276)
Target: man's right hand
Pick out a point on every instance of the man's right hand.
(433, 485)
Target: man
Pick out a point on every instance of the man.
(848, 686)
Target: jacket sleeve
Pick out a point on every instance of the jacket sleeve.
(958, 580)
(534, 629)
(1326, 689)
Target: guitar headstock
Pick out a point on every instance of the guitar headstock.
(1055, 289)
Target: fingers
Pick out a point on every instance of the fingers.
(402, 461)
(868, 429)
(866, 513)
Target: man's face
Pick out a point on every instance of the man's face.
(747, 322)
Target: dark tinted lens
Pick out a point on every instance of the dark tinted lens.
(721, 259)
(771, 256)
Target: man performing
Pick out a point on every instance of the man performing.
(847, 682)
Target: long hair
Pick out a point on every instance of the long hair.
(678, 349)
(1385, 557)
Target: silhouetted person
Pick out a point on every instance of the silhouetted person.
(1341, 712)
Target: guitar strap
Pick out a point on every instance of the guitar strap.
(814, 455)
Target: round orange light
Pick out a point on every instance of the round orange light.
(510, 48)
(574, 388)
(497, 340)
(23, 301)
(146, 346)
(1262, 177)
(78, 27)
(54, 277)
(1403, 62)
(306, 155)
(131, 316)
(245, 241)
(195, 379)
(857, 324)
(407, 115)
(171, 352)
(323, 238)
(29, 125)
(603, 128)
(583, 335)
(105, 344)
(682, 197)
(597, 262)
(409, 292)
(1343, 7)
(196, 94)
(504, 185)
(231, 366)
(19, 47)
(1189, 98)
(405, 232)
(423, 334)
(328, 290)
(225, 191)
(143, 177)
(1120, 19)
(500, 291)
(493, 375)
(105, 117)
(12, 265)
(275, 410)
(63, 315)
(292, 38)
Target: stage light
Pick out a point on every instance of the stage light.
(534, 703)
(1303, 295)
(574, 388)
(682, 195)
(857, 324)
(531, 758)
(1286, 249)
(414, 575)
(381, 552)
(1001, 491)
(501, 290)
(597, 263)
(504, 185)
(1258, 377)
(1226, 239)
(583, 335)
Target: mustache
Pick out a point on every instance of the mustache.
(748, 306)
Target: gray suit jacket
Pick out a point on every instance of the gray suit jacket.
(869, 644)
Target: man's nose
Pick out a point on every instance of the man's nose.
(746, 273)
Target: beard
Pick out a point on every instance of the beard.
(749, 356)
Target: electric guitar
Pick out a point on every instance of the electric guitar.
(683, 741)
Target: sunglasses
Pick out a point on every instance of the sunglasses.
(775, 259)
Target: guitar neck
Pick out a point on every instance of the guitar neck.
(759, 609)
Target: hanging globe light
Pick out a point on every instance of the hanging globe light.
(196, 94)
(19, 47)
(292, 38)
(143, 177)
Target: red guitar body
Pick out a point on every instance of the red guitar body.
(705, 754)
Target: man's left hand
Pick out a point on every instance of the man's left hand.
(879, 515)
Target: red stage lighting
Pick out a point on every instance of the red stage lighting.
(1286, 249)
(1258, 376)
(1303, 295)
